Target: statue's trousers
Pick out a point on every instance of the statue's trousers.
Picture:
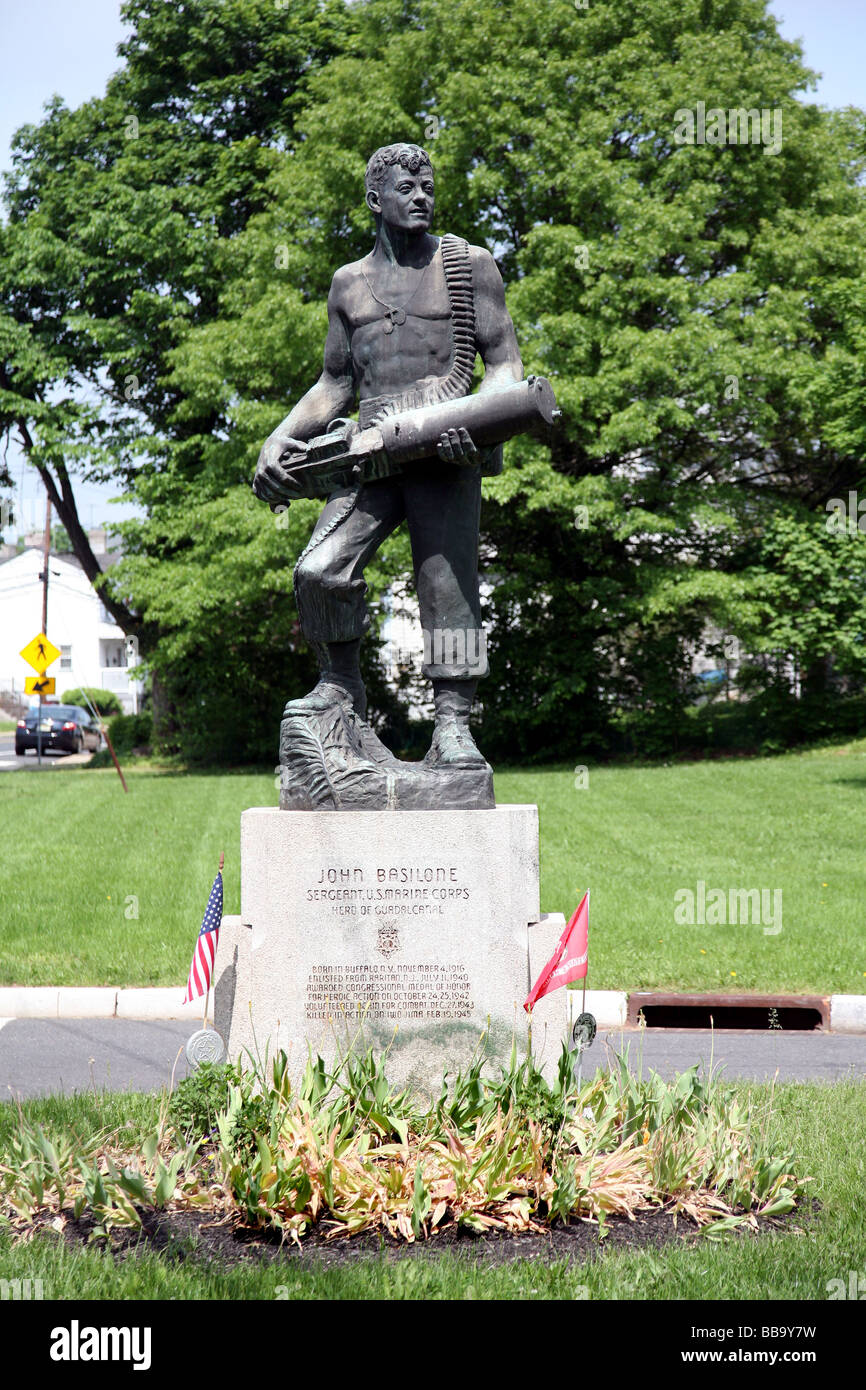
(441, 503)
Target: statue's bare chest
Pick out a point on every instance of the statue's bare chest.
(399, 322)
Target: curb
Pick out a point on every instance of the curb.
(609, 1007)
(17, 1001)
(847, 1012)
(157, 1004)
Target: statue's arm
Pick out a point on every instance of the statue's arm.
(494, 331)
(332, 395)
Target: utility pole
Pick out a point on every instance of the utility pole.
(46, 553)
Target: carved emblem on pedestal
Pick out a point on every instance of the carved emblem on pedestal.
(388, 937)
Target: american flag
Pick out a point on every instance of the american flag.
(205, 951)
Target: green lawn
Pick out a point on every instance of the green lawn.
(80, 858)
(637, 835)
(817, 1121)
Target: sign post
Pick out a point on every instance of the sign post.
(107, 736)
(40, 654)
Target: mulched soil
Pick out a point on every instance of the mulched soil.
(182, 1236)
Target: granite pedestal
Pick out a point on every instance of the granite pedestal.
(415, 931)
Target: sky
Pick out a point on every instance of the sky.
(69, 47)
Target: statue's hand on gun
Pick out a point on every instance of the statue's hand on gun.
(456, 446)
(275, 480)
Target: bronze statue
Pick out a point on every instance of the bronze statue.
(404, 326)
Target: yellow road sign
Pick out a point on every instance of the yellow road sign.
(39, 685)
(40, 653)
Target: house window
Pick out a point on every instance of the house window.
(66, 658)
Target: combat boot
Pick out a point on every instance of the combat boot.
(453, 744)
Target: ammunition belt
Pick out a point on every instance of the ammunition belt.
(457, 265)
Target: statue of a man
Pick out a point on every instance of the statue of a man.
(404, 326)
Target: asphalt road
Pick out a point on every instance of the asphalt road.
(747, 1056)
(9, 762)
(44, 1056)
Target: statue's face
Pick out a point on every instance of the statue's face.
(405, 200)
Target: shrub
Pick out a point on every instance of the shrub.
(201, 1097)
(130, 731)
(105, 702)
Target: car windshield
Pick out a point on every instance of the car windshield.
(57, 712)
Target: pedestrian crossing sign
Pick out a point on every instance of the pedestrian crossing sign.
(40, 653)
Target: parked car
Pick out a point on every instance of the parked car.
(66, 728)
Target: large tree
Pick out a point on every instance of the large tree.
(117, 216)
(699, 307)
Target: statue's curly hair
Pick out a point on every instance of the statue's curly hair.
(411, 157)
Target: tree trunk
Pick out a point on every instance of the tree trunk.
(60, 491)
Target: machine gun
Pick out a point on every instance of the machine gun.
(347, 456)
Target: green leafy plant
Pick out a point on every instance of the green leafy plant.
(201, 1097)
(344, 1152)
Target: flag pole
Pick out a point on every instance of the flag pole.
(583, 1000)
(207, 991)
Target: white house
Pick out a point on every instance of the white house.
(92, 646)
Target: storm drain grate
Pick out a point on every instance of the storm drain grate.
(777, 1012)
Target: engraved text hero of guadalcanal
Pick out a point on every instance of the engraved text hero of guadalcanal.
(405, 324)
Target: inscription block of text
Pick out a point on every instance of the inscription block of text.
(408, 930)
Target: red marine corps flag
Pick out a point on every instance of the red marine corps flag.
(569, 960)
